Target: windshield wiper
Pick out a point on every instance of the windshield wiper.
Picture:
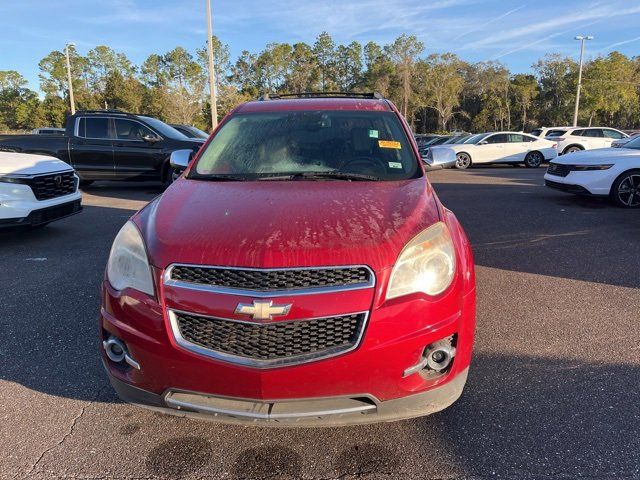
(333, 175)
(220, 177)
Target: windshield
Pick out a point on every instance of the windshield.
(536, 132)
(474, 139)
(164, 129)
(269, 144)
(633, 143)
(556, 133)
(456, 139)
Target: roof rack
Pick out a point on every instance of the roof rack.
(112, 111)
(277, 96)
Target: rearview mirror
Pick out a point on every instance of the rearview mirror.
(180, 159)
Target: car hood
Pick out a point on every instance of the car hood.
(286, 223)
(27, 164)
(597, 156)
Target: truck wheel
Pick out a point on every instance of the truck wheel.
(625, 191)
(167, 175)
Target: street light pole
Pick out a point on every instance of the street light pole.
(71, 101)
(582, 39)
(212, 73)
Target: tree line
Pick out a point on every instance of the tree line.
(437, 92)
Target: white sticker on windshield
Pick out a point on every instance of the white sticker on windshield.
(374, 134)
(395, 165)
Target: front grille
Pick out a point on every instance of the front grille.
(275, 343)
(558, 169)
(55, 185)
(273, 280)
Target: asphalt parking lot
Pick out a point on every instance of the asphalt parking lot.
(552, 392)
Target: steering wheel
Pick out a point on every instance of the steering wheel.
(366, 165)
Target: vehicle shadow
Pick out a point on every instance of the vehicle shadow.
(48, 317)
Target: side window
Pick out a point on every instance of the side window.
(130, 130)
(515, 138)
(578, 133)
(612, 134)
(498, 138)
(528, 138)
(97, 128)
(593, 133)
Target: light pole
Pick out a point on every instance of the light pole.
(212, 73)
(71, 101)
(582, 39)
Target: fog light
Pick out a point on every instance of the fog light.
(436, 358)
(117, 352)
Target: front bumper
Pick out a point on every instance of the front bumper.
(314, 412)
(583, 183)
(43, 216)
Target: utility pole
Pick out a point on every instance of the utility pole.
(582, 39)
(212, 73)
(71, 101)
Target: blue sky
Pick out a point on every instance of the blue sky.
(515, 32)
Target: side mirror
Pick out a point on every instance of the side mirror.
(483, 142)
(149, 138)
(180, 159)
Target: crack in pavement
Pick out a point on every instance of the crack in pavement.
(74, 421)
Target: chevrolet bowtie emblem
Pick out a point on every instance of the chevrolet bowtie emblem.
(262, 309)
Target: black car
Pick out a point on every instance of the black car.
(190, 131)
(109, 145)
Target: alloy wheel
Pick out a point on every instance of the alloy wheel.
(629, 190)
(533, 159)
(463, 160)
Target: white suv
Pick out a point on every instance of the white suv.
(36, 190)
(575, 139)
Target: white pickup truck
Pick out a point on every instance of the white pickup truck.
(36, 190)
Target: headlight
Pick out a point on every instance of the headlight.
(128, 266)
(426, 264)
(13, 178)
(586, 168)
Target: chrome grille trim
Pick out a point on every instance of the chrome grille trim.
(169, 281)
(260, 363)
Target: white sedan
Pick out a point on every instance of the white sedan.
(607, 172)
(502, 147)
(36, 190)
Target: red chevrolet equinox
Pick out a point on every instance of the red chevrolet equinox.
(301, 271)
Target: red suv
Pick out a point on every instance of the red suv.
(301, 271)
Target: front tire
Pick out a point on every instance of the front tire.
(463, 161)
(572, 148)
(533, 159)
(625, 191)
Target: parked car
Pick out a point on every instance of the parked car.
(623, 141)
(574, 139)
(300, 272)
(48, 131)
(544, 132)
(190, 131)
(502, 147)
(607, 172)
(36, 190)
(439, 158)
(109, 145)
(423, 139)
